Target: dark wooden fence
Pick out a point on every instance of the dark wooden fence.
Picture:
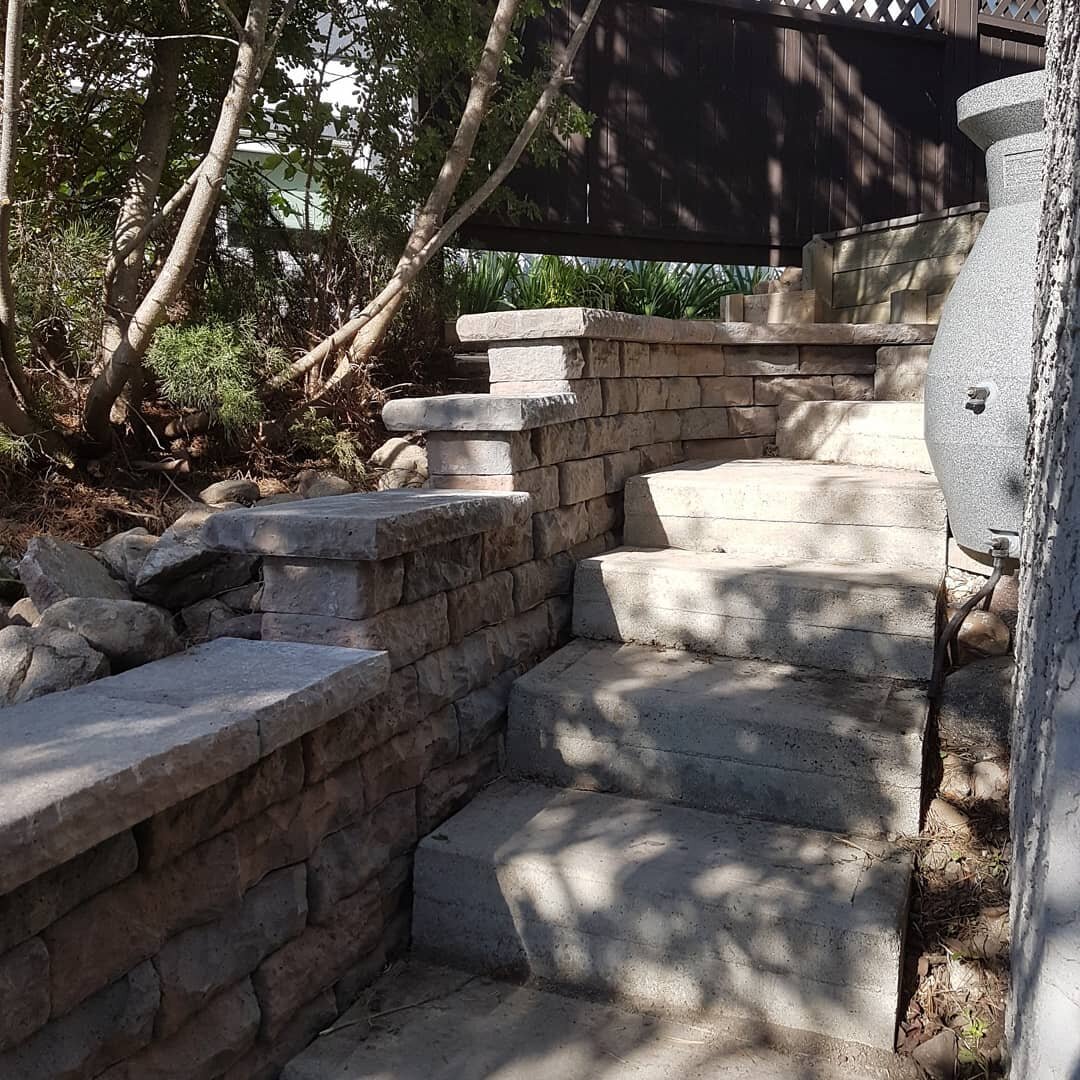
(733, 130)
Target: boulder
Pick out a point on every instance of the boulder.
(313, 484)
(125, 553)
(43, 659)
(976, 706)
(982, 634)
(23, 612)
(127, 632)
(401, 464)
(54, 570)
(245, 492)
(199, 617)
(181, 570)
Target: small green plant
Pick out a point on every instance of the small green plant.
(213, 366)
(317, 435)
(969, 1050)
(16, 451)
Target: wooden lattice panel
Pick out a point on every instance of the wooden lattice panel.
(1032, 12)
(912, 13)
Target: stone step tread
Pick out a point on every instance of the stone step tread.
(445, 1024)
(678, 696)
(745, 580)
(767, 740)
(776, 489)
(712, 860)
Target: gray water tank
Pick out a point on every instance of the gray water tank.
(980, 366)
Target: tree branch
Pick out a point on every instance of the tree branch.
(234, 22)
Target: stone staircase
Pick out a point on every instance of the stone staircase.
(708, 787)
(706, 784)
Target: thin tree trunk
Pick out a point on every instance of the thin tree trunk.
(123, 273)
(9, 127)
(126, 359)
(1044, 1034)
(361, 336)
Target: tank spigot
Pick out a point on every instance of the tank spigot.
(978, 396)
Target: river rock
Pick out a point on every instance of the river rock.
(23, 612)
(127, 632)
(43, 659)
(181, 570)
(401, 463)
(54, 570)
(313, 484)
(245, 492)
(125, 553)
(982, 634)
(937, 1056)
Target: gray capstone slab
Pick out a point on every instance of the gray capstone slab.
(478, 412)
(374, 525)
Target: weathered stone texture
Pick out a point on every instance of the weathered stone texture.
(199, 963)
(482, 713)
(265, 1060)
(752, 420)
(549, 360)
(505, 548)
(116, 930)
(479, 412)
(700, 360)
(620, 396)
(536, 581)
(705, 423)
(481, 603)
(345, 590)
(727, 390)
(439, 567)
(830, 360)
(205, 1047)
(406, 633)
(495, 453)
(54, 570)
(24, 992)
(559, 530)
(618, 468)
(126, 632)
(761, 359)
(314, 961)
(110, 1026)
(853, 387)
(581, 480)
(601, 359)
(541, 484)
(561, 442)
(447, 790)
(774, 389)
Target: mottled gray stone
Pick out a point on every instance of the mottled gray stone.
(976, 706)
(125, 631)
(401, 464)
(125, 553)
(79, 767)
(205, 1047)
(24, 992)
(53, 570)
(108, 1027)
(491, 453)
(313, 484)
(480, 603)
(436, 568)
(550, 360)
(343, 589)
(201, 962)
(41, 660)
(477, 412)
(230, 491)
(406, 632)
(373, 526)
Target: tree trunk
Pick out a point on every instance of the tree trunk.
(126, 359)
(1044, 1010)
(125, 272)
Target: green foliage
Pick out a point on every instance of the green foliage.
(499, 281)
(16, 451)
(213, 366)
(318, 436)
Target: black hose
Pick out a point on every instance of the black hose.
(937, 680)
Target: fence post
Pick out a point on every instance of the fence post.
(959, 21)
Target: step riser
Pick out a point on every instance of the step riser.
(880, 435)
(705, 963)
(828, 648)
(865, 807)
(787, 539)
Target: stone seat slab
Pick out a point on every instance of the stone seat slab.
(822, 750)
(367, 527)
(79, 766)
(669, 910)
(478, 412)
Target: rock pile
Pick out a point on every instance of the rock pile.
(77, 615)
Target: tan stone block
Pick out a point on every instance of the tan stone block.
(775, 389)
(346, 590)
(705, 423)
(761, 359)
(666, 427)
(559, 530)
(652, 394)
(683, 393)
(601, 359)
(853, 387)
(504, 548)
(618, 468)
(560, 442)
(700, 360)
(727, 390)
(581, 480)
(605, 512)
(539, 360)
(541, 484)
(752, 420)
(837, 360)
(475, 454)
(725, 449)
(536, 581)
(620, 396)
(479, 604)
(663, 360)
(590, 401)
(659, 456)
(440, 567)
(634, 359)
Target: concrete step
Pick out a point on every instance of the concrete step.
(669, 910)
(882, 434)
(790, 509)
(422, 1021)
(821, 750)
(862, 618)
(901, 372)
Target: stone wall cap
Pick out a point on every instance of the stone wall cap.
(81, 766)
(479, 412)
(374, 525)
(525, 326)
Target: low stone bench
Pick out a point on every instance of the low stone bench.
(81, 766)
